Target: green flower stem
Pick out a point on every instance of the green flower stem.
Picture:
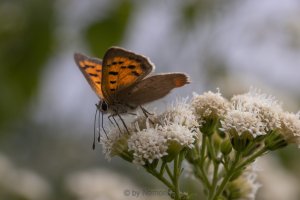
(225, 162)
(203, 147)
(126, 156)
(163, 167)
(227, 176)
(161, 178)
(169, 172)
(176, 178)
(211, 149)
(212, 152)
(252, 158)
(215, 179)
(202, 176)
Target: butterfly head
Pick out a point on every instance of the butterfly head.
(102, 106)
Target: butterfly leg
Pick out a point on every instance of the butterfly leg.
(113, 116)
(110, 120)
(130, 113)
(146, 113)
(124, 124)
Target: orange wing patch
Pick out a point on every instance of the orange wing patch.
(92, 71)
(123, 72)
(121, 69)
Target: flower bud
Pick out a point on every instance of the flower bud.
(226, 147)
(240, 142)
(275, 140)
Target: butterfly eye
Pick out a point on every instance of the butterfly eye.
(104, 106)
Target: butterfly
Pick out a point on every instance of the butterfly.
(121, 80)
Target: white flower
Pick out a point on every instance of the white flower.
(115, 143)
(181, 134)
(148, 144)
(267, 107)
(210, 104)
(153, 143)
(290, 127)
(151, 138)
(243, 121)
(181, 112)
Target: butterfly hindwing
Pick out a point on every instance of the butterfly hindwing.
(121, 69)
(152, 88)
(92, 71)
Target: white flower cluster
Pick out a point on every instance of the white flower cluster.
(243, 121)
(148, 144)
(253, 112)
(180, 112)
(115, 143)
(290, 126)
(209, 105)
(149, 141)
(267, 107)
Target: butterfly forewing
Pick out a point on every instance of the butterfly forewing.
(92, 71)
(121, 69)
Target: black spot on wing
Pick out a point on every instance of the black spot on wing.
(135, 73)
(92, 74)
(113, 82)
(112, 89)
(120, 62)
(123, 67)
(131, 67)
(113, 73)
(88, 66)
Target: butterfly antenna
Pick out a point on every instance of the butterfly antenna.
(94, 143)
(123, 122)
(102, 126)
(99, 122)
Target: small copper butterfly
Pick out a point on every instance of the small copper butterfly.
(120, 80)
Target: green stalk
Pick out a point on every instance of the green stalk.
(215, 180)
(169, 172)
(161, 178)
(203, 147)
(227, 176)
(176, 178)
(252, 158)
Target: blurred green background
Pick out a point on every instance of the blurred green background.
(47, 107)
